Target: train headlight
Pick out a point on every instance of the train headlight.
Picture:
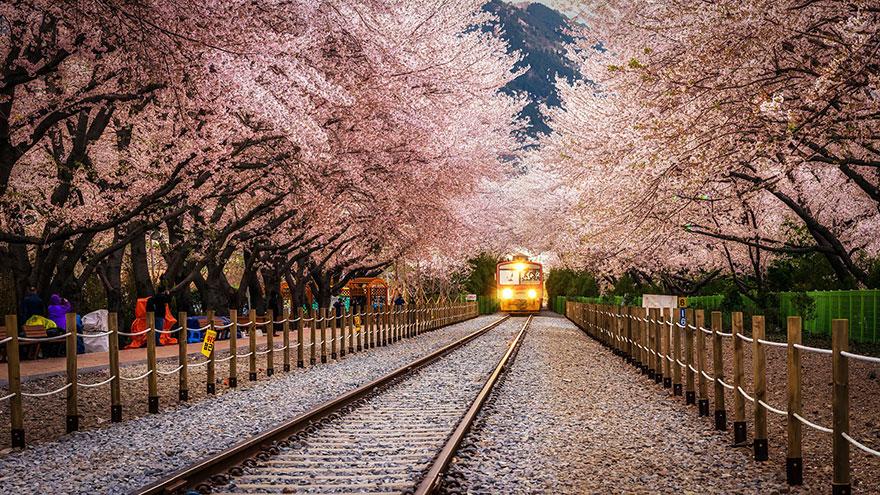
(532, 294)
(507, 294)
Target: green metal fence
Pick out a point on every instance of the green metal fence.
(487, 305)
(860, 307)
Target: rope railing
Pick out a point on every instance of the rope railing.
(134, 334)
(773, 409)
(860, 445)
(46, 394)
(647, 341)
(93, 385)
(773, 343)
(53, 338)
(817, 350)
(136, 378)
(92, 335)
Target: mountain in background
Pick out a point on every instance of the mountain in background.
(538, 33)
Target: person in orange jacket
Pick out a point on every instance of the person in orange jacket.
(140, 324)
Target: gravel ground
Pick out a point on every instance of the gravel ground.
(572, 418)
(120, 457)
(387, 442)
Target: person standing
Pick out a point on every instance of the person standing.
(58, 309)
(158, 304)
(31, 305)
(274, 304)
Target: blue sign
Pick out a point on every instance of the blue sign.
(682, 317)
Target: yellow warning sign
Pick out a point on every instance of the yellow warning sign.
(357, 323)
(208, 344)
(682, 302)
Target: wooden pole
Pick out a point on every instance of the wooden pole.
(702, 383)
(211, 367)
(300, 348)
(739, 406)
(667, 344)
(233, 349)
(357, 317)
(252, 345)
(690, 394)
(13, 366)
(285, 336)
(676, 356)
(113, 355)
(367, 327)
(331, 311)
(72, 414)
(323, 312)
(152, 378)
(343, 331)
(270, 343)
(658, 345)
(183, 373)
(794, 462)
(718, 372)
(649, 343)
(759, 365)
(840, 407)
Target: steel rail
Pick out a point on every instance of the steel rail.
(200, 475)
(432, 480)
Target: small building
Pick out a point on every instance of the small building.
(367, 291)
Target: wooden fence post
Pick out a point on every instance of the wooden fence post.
(331, 312)
(367, 328)
(285, 339)
(13, 366)
(270, 342)
(794, 463)
(323, 312)
(300, 346)
(840, 407)
(658, 346)
(650, 343)
(233, 349)
(718, 372)
(739, 406)
(252, 345)
(676, 356)
(344, 343)
(113, 355)
(211, 367)
(313, 336)
(183, 373)
(72, 389)
(358, 329)
(702, 384)
(667, 336)
(690, 394)
(152, 378)
(759, 365)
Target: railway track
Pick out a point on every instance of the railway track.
(396, 434)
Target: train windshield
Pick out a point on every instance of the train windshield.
(510, 276)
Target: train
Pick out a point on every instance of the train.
(520, 285)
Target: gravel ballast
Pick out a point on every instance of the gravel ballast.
(570, 417)
(122, 457)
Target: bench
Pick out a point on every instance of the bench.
(31, 350)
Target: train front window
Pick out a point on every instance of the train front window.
(530, 276)
(508, 277)
(525, 276)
